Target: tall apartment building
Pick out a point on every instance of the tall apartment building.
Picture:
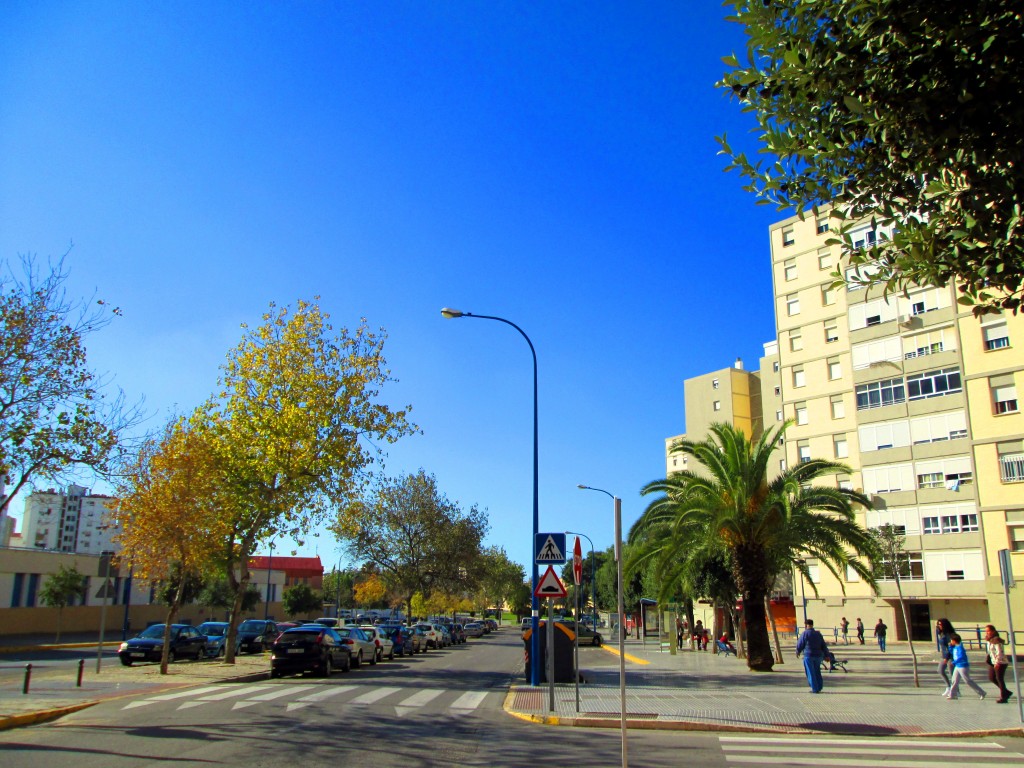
(73, 521)
(919, 398)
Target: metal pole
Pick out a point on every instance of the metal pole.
(103, 611)
(337, 599)
(622, 637)
(593, 581)
(551, 654)
(576, 651)
(127, 602)
(803, 598)
(1006, 577)
(270, 562)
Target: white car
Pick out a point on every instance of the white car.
(434, 638)
(385, 645)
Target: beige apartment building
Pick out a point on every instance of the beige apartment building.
(919, 398)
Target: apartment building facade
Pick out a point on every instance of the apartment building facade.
(918, 397)
(74, 520)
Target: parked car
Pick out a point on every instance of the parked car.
(256, 635)
(360, 647)
(587, 635)
(416, 639)
(385, 645)
(492, 624)
(309, 648)
(398, 640)
(434, 637)
(186, 642)
(446, 635)
(458, 634)
(474, 629)
(215, 633)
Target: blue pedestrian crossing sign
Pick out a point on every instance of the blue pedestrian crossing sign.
(549, 548)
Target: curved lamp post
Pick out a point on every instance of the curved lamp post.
(451, 314)
(617, 509)
(270, 562)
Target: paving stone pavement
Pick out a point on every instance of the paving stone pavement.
(694, 690)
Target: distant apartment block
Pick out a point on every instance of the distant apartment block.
(71, 521)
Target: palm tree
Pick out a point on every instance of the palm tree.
(760, 524)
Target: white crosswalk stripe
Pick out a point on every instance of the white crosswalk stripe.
(794, 751)
(296, 697)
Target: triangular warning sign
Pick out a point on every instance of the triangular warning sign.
(549, 552)
(550, 585)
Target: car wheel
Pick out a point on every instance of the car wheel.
(274, 673)
(373, 661)
(172, 657)
(597, 642)
(327, 667)
(126, 662)
(348, 663)
(359, 660)
(391, 655)
(221, 651)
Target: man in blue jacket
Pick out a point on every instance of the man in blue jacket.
(811, 646)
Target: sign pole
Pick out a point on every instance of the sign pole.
(1006, 576)
(551, 655)
(577, 575)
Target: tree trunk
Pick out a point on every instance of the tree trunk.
(906, 625)
(172, 614)
(741, 647)
(775, 630)
(239, 585)
(759, 650)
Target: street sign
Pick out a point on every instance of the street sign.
(550, 585)
(577, 562)
(549, 548)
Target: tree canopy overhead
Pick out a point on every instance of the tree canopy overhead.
(910, 113)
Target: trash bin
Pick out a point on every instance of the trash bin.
(565, 669)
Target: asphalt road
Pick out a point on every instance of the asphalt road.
(443, 708)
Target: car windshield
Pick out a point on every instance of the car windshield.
(252, 626)
(155, 631)
(299, 635)
(212, 628)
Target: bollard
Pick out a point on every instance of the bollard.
(81, 668)
(28, 677)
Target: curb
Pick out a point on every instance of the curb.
(42, 716)
(52, 647)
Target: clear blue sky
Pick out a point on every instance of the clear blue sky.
(550, 163)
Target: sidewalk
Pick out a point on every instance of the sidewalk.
(696, 690)
(53, 690)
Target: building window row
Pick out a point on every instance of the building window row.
(949, 473)
(877, 394)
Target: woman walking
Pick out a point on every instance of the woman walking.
(997, 663)
(961, 670)
(943, 632)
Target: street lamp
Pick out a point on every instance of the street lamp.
(452, 314)
(617, 510)
(593, 583)
(270, 562)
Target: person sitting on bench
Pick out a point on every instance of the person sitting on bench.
(724, 646)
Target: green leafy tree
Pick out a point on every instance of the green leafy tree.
(187, 586)
(60, 589)
(302, 599)
(910, 114)
(500, 578)
(338, 588)
(756, 521)
(415, 537)
(54, 414)
(893, 563)
(297, 423)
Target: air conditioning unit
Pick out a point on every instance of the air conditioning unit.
(906, 321)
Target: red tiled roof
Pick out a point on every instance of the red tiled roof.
(279, 563)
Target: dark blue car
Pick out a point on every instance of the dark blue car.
(186, 643)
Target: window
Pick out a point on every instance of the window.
(880, 393)
(839, 446)
(868, 353)
(951, 523)
(787, 237)
(835, 370)
(1004, 393)
(888, 478)
(831, 331)
(822, 225)
(782, 465)
(930, 525)
(824, 259)
(844, 482)
(778, 391)
(878, 437)
(778, 415)
(793, 304)
(996, 336)
(796, 340)
(838, 408)
(789, 269)
(942, 426)
(828, 295)
(803, 451)
(930, 343)
(1011, 467)
(801, 413)
(864, 238)
(714, 383)
(813, 571)
(945, 381)
(949, 473)
(851, 574)
(799, 379)
(856, 275)
(717, 405)
(871, 313)
(1017, 539)
(910, 567)
(873, 320)
(775, 366)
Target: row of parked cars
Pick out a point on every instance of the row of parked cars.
(320, 646)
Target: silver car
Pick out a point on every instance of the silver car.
(383, 642)
(360, 647)
(474, 629)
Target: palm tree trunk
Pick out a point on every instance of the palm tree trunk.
(775, 630)
(906, 624)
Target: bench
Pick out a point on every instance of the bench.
(831, 663)
(723, 649)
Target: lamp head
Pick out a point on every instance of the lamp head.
(583, 487)
(450, 314)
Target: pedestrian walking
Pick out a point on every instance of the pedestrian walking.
(943, 631)
(679, 633)
(844, 627)
(880, 630)
(811, 646)
(860, 631)
(996, 660)
(961, 670)
(698, 634)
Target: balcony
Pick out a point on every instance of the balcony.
(1011, 468)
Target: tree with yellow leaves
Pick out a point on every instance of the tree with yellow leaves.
(369, 591)
(296, 424)
(168, 513)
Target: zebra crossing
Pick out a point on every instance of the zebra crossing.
(908, 753)
(406, 701)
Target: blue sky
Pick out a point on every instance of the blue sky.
(550, 163)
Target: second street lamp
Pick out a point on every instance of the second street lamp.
(593, 582)
(450, 314)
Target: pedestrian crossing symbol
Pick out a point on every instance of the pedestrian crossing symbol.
(550, 548)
